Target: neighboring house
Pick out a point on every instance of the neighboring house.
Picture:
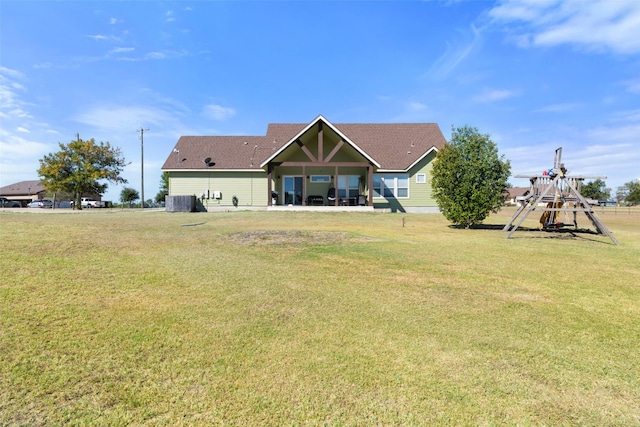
(381, 166)
(516, 195)
(24, 191)
(28, 191)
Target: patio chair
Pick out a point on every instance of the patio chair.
(331, 196)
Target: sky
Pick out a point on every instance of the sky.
(535, 75)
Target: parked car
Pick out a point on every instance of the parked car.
(40, 204)
(6, 203)
(88, 202)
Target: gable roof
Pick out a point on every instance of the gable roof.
(389, 146)
(309, 126)
(514, 192)
(396, 146)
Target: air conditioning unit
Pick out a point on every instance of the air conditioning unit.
(217, 195)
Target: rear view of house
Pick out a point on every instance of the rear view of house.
(360, 166)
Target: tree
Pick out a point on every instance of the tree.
(634, 192)
(164, 187)
(629, 192)
(596, 190)
(80, 166)
(468, 177)
(129, 195)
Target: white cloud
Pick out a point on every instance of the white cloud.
(611, 149)
(43, 66)
(11, 105)
(19, 157)
(559, 108)
(632, 85)
(416, 106)
(4, 71)
(155, 55)
(628, 116)
(611, 26)
(122, 50)
(102, 37)
(218, 112)
(125, 118)
(21, 138)
(455, 54)
(493, 95)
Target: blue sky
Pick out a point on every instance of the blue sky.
(533, 74)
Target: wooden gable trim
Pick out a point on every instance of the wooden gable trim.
(306, 151)
(321, 121)
(320, 140)
(334, 151)
(341, 164)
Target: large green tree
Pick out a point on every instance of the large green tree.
(81, 167)
(596, 190)
(469, 177)
(629, 193)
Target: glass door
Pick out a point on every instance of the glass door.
(292, 190)
(348, 188)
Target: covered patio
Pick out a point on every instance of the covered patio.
(320, 167)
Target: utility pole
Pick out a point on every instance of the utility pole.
(141, 130)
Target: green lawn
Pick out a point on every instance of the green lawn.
(308, 319)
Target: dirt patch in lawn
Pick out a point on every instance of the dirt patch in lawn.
(290, 237)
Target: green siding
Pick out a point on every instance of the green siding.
(421, 194)
(249, 187)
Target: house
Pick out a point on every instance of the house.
(28, 191)
(24, 191)
(318, 165)
(516, 195)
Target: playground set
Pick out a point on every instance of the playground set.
(556, 195)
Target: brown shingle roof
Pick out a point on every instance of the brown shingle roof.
(394, 146)
(22, 188)
(514, 192)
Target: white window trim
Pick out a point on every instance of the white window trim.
(421, 178)
(324, 179)
(394, 186)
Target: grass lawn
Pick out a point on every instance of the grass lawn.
(308, 319)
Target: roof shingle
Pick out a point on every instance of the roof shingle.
(395, 146)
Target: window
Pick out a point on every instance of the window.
(320, 178)
(402, 185)
(377, 180)
(391, 185)
(421, 178)
(348, 186)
